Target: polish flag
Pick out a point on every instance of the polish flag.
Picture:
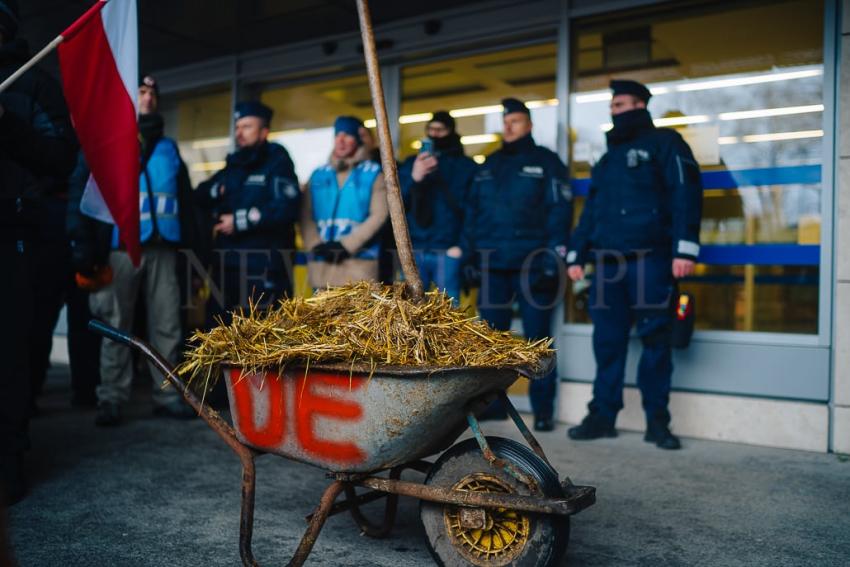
(99, 59)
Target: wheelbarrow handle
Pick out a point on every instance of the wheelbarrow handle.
(213, 419)
(110, 333)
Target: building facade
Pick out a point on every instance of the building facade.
(759, 89)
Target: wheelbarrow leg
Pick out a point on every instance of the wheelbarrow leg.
(523, 428)
(316, 523)
(367, 527)
(246, 523)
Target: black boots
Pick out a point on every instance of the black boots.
(13, 486)
(108, 414)
(594, 426)
(658, 432)
(544, 424)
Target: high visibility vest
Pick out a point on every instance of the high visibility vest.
(158, 195)
(339, 210)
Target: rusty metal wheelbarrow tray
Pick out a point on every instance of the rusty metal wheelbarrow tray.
(353, 419)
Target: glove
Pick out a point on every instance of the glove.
(332, 251)
(100, 277)
(470, 276)
(547, 273)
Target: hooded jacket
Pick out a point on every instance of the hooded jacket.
(37, 145)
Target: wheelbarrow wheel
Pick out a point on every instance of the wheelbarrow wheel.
(509, 537)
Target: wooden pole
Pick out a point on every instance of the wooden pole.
(396, 207)
(29, 64)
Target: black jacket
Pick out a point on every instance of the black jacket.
(645, 194)
(37, 145)
(520, 205)
(435, 204)
(259, 187)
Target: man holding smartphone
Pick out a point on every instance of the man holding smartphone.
(434, 184)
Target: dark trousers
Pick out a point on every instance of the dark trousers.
(83, 347)
(635, 291)
(499, 289)
(238, 290)
(50, 281)
(16, 293)
(53, 286)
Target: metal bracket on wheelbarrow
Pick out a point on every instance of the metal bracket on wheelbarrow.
(495, 461)
(501, 464)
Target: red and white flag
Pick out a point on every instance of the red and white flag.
(99, 59)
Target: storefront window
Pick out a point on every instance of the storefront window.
(471, 89)
(200, 123)
(743, 83)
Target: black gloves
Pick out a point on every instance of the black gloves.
(332, 251)
(548, 273)
(470, 276)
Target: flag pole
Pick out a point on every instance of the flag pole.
(394, 201)
(50, 46)
(29, 64)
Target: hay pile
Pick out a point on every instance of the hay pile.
(364, 325)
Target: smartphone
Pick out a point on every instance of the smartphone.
(427, 146)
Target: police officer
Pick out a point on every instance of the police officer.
(516, 231)
(640, 224)
(254, 202)
(435, 184)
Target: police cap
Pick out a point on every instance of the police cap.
(511, 105)
(253, 108)
(627, 87)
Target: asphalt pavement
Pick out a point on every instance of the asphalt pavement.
(156, 492)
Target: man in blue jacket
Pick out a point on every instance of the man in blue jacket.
(254, 203)
(435, 184)
(516, 231)
(640, 224)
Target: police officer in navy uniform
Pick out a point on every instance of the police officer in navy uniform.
(254, 202)
(516, 229)
(640, 225)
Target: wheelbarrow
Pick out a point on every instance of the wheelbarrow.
(486, 501)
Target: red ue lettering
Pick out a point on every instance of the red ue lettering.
(311, 404)
(272, 433)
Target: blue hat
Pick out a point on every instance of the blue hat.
(512, 105)
(634, 88)
(350, 125)
(253, 108)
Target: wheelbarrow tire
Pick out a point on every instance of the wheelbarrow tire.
(546, 536)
